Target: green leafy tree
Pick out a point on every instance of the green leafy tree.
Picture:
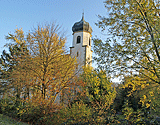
(100, 94)
(122, 96)
(11, 85)
(140, 99)
(147, 93)
(133, 44)
(132, 49)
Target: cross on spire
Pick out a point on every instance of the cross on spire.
(83, 15)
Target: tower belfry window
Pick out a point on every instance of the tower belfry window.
(78, 39)
(89, 42)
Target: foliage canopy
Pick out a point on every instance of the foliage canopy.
(133, 44)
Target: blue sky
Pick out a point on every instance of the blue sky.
(27, 14)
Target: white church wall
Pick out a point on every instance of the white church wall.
(86, 37)
(82, 51)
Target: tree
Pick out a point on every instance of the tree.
(100, 93)
(52, 68)
(9, 63)
(133, 44)
(12, 82)
(37, 69)
(146, 91)
(132, 49)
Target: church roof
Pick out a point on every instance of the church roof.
(82, 25)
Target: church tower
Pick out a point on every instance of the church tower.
(81, 46)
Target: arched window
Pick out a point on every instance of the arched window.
(89, 42)
(78, 39)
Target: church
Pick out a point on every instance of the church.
(81, 49)
(81, 45)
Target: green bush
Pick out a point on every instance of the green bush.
(76, 113)
(8, 106)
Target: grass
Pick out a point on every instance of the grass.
(5, 120)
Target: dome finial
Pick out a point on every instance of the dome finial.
(83, 15)
(82, 25)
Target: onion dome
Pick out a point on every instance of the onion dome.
(82, 25)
